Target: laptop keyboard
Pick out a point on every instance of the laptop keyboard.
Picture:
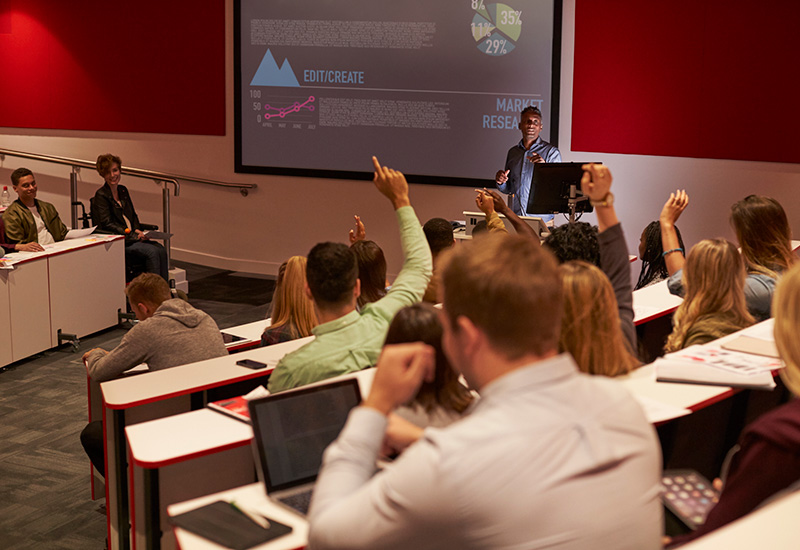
(298, 501)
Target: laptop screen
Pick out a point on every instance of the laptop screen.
(293, 429)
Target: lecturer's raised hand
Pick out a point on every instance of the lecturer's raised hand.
(391, 183)
(501, 176)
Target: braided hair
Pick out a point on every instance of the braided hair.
(654, 268)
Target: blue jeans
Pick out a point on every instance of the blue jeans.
(150, 253)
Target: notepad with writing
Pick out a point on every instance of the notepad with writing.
(718, 367)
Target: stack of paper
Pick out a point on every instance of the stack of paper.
(716, 366)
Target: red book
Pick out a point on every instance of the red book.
(235, 407)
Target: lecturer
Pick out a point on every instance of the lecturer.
(517, 176)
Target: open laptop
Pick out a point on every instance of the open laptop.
(538, 225)
(292, 429)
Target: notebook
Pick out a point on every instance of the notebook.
(292, 430)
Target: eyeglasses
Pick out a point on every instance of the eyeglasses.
(535, 122)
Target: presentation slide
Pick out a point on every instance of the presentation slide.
(432, 88)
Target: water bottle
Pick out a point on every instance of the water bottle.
(5, 198)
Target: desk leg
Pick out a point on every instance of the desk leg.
(152, 509)
(197, 400)
(121, 481)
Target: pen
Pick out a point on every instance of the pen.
(258, 520)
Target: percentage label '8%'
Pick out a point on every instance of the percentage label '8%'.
(495, 27)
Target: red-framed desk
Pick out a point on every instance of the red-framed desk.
(652, 308)
(75, 287)
(642, 381)
(250, 332)
(171, 458)
(642, 384)
(252, 496)
(135, 399)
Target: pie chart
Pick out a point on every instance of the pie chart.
(495, 27)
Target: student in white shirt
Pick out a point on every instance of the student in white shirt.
(29, 222)
(548, 458)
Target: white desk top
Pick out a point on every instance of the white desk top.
(642, 382)
(193, 434)
(59, 248)
(773, 527)
(251, 332)
(155, 386)
(252, 496)
(165, 441)
(652, 302)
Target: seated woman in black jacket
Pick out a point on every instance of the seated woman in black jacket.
(113, 212)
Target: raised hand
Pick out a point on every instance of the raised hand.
(674, 207)
(674, 257)
(359, 233)
(500, 205)
(485, 202)
(596, 181)
(391, 183)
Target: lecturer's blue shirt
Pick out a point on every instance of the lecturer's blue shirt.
(520, 175)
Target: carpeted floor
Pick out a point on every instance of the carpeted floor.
(232, 288)
(44, 475)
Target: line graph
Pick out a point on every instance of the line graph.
(272, 111)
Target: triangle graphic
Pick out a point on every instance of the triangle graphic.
(268, 73)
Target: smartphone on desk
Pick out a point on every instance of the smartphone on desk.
(251, 364)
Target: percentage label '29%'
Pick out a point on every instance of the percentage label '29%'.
(495, 27)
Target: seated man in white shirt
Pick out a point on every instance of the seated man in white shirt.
(29, 222)
(549, 457)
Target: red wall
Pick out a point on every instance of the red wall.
(123, 65)
(688, 78)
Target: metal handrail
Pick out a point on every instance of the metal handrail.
(160, 178)
(136, 172)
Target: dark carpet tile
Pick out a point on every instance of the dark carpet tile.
(45, 498)
(195, 272)
(254, 313)
(222, 287)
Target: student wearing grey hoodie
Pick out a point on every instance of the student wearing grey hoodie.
(170, 332)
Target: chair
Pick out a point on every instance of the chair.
(133, 267)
